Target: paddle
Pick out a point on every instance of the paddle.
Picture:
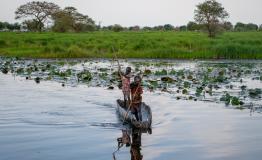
(115, 57)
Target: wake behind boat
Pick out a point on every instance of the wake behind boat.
(145, 115)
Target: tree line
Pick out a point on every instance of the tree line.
(38, 16)
(191, 26)
(10, 26)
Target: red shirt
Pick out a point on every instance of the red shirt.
(136, 93)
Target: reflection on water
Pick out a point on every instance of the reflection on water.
(131, 138)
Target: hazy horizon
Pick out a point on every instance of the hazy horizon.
(145, 12)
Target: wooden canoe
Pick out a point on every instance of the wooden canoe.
(146, 115)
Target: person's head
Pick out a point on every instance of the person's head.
(137, 79)
(128, 70)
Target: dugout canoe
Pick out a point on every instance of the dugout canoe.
(146, 115)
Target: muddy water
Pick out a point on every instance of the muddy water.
(48, 121)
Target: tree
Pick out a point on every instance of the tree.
(16, 26)
(183, 28)
(10, 26)
(159, 28)
(2, 25)
(134, 28)
(63, 22)
(32, 25)
(40, 12)
(251, 27)
(146, 28)
(168, 27)
(260, 28)
(210, 13)
(116, 28)
(228, 26)
(192, 26)
(70, 19)
(240, 27)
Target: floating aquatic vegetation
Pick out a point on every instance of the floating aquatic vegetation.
(167, 79)
(235, 101)
(20, 71)
(187, 84)
(110, 88)
(240, 107)
(184, 91)
(255, 93)
(243, 88)
(219, 79)
(66, 73)
(199, 91)
(226, 98)
(103, 75)
(85, 76)
(62, 74)
(256, 78)
(180, 73)
(248, 72)
(103, 69)
(161, 73)
(211, 78)
(37, 79)
(147, 72)
(115, 74)
(173, 72)
(153, 84)
(4, 70)
(190, 77)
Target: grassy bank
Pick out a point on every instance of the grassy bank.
(181, 45)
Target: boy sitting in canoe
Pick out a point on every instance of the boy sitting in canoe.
(125, 78)
(136, 95)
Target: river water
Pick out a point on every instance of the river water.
(47, 121)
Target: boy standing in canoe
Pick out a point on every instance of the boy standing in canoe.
(125, 78)
(136, 95)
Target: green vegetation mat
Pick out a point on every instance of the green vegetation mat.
(179, 45)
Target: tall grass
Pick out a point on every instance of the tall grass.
(180, 45)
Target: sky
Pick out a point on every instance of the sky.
(144, 12)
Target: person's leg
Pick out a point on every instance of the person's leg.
(136, 114)
(139, 112)
(128, 100)
(134, 111)
(125, 100)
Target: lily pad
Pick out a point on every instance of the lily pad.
(159, 73)
(254, 93)
(85, 76)
(167, 79)
(4, 70)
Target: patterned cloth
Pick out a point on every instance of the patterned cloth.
(125, 85)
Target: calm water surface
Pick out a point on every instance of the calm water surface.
(46, 121)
